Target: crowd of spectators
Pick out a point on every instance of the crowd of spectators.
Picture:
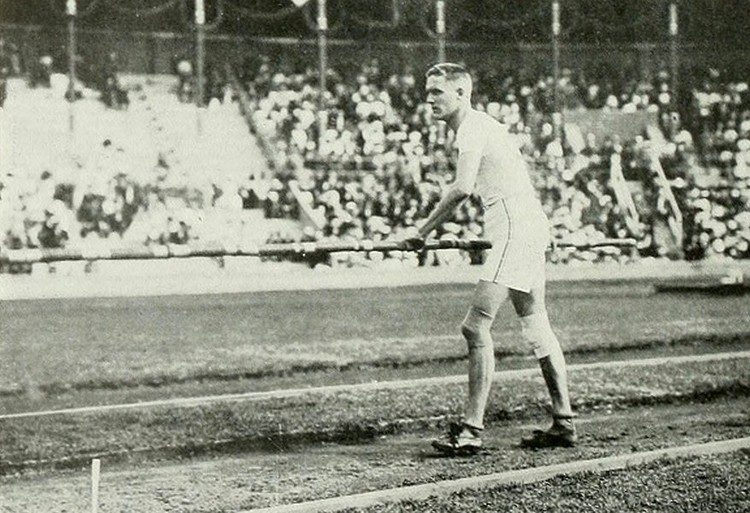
(136, 188)
(10, 65)
(717, 203)
(216, 86)
(97, 74)
(609, 88)
(375, 163)
(106, 200)
(369, 167)
(365, 161)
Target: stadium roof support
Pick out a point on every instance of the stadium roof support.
(557, 108)
(674, 72)
(322, 27)
(440, 29)
(200, 54)
(71, 9)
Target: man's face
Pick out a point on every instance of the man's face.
(442, 97)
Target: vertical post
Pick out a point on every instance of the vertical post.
(674, 72)
(557, 102)
(322, 48)
(440, 29)
(95, 471)
(322, 68)
(152, 49)
(200, 21)
(71, 8)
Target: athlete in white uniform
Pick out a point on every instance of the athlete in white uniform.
(514, 219)
(490, 163)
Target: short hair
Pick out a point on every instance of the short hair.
(452, 73)
(448, 70)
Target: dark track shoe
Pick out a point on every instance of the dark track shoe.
(559, 435)
(461, 440)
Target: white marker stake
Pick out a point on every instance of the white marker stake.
(95, 466)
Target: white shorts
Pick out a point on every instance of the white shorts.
(519, 232)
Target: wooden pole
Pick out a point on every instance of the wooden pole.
(95, 470)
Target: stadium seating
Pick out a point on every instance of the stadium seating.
(380, 163)
(374, 163)
(135, 177)
(718, 201)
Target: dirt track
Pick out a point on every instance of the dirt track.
(232, 483)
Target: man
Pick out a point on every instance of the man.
(490, 162)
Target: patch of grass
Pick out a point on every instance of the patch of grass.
(700, 484)
(54, 346)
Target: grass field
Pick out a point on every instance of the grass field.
(56, 345)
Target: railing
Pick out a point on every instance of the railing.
(674, 220)
(624, 198)
(308, 215)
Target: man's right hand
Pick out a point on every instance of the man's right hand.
(413, 244)
(412, 239)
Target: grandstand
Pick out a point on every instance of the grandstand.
(362, 161)
(373, 130)
(195, 194)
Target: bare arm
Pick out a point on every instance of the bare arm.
(452, 199)
(457, 193)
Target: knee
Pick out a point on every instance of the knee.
(469, 331)
(476, 328)
(536, 330)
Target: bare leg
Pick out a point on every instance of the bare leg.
(552, 364)
(476, 330)
(481, 372)
(464, 438)
(556, 378)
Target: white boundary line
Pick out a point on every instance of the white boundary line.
(374, 386)
(513, 477)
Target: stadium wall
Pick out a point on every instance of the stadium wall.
(156, 52)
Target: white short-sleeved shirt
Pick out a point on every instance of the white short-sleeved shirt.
(514, 220)
(503, 172)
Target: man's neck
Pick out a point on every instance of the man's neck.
(461, 114)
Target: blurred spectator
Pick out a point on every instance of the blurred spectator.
(10, 56)
(217, 87)
(41, 72)
(6, 69)
(184, 71)
(107, 82)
